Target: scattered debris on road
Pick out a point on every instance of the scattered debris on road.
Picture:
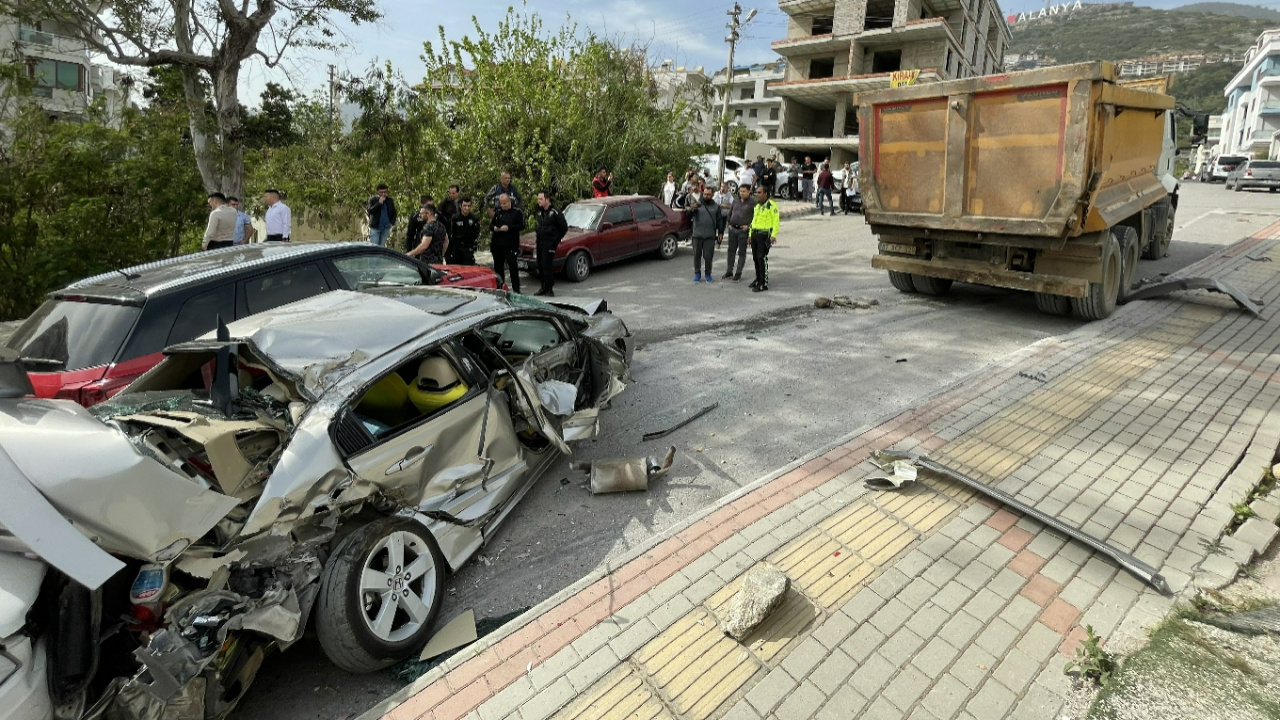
(1136, 567)
(1166, 286)
(663, 433)
(625, 474)
(762, 591)
(458, 632)
(900, 472)
(843, 301)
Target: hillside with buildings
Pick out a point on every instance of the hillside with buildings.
(1124, 32)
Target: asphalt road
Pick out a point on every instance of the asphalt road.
(789, 379)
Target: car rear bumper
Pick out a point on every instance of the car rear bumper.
(1258, 183)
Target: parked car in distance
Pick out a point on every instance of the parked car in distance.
(92, 338)
(1220, 167)
(709, 166)
(606, 230)
(1254, 174)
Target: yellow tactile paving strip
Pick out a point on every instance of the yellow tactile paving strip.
(1011, 437)
(692, 671)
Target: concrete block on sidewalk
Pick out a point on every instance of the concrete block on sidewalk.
(1257, 533)
(1266, 509)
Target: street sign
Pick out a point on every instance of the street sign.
(900, 78)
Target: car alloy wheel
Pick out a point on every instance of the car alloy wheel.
(667, 249)
(398, 573)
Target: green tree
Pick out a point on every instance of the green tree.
(738, 137)
(78, 199)
(272, 124)
(208, 42)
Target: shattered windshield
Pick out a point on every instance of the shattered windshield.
(73, 334)
(252, 405)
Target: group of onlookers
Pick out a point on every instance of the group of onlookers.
(229, 225)
(748, 220)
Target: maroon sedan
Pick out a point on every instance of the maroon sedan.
(605, 230)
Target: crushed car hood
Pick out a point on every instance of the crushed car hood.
(18, 592)
(125, 502)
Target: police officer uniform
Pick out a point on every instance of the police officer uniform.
(464, 231)
(764, 231)
(551, 229)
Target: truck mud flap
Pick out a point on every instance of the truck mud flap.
(1161, 288)
(1136, 567)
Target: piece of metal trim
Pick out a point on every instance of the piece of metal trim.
(663, 433)
(1136, 567)
(1164, 287)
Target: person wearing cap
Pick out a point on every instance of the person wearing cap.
(765, 219)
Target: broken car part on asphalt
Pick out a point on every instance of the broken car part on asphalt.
(663, 433)
(885, 459)
(332, 458)
(458, 632)
(625, 474)
(1160, 288)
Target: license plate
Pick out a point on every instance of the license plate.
(899, 248)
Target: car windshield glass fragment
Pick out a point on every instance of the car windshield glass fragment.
(583, 216)
(67, 335)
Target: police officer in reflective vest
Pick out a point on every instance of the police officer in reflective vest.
(764, 233)
(550, 231)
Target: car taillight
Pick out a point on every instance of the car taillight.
(1248, 173)
(95, 392)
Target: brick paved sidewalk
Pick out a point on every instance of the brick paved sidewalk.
(931, 602)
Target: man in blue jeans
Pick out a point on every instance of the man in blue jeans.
(382, 216)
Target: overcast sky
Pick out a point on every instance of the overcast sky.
(690, 33)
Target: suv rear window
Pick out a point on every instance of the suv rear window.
(73, 334)
(1231, 160)
(1264, 164)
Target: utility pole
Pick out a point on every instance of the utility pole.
(734, 25)
(333, 89)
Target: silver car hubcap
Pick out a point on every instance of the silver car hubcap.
(582, 265)
(668, 246)
(397, 583)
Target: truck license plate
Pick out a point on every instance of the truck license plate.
(899, 248)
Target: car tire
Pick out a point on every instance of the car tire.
(931, 285)
(577, 266)
(733, 186)
(784, 192)
(1237, 187)
(667, 246)
(1059, 305)
(902, 281)
(1100, 300)
(352, 620)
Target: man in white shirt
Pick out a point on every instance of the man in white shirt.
(221, 231)
(747, 177)
(278, 218)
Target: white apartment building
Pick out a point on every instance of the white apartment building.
(751, 103)
(66, 79)
(690, 86)
(1212, 145)
(1252, 118)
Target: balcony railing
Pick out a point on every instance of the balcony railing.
(35, 37)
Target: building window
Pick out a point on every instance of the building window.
(50, 75)
(886, 61)
(773, 134)
(773, 114)
(879, 14)
(737, 114)
(822, 25)
(747, 93)
(752, 113)
(822, 68)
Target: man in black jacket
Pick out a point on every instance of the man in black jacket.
(550, 231)
(381, 210)
(464, 231)
(507, 222)
(504, 187)
(449, 208)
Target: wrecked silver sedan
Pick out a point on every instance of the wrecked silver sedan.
(329, 460)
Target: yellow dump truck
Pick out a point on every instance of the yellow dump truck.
(1054, 181)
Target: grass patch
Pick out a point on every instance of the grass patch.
(1191, 670)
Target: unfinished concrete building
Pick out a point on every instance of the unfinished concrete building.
(836, 48)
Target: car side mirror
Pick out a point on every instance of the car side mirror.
(606, 226)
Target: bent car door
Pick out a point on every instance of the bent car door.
(436, 447)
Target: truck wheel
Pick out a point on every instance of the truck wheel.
(1158, 249)
(902, 281)
(578, 266)
(1059, 305)
(931, 285)
(1100, 301)
(379, 594)
(1129, 254)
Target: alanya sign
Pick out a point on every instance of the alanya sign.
(1044, 12)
